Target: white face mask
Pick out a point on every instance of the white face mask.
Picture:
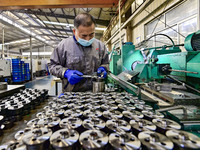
(85, 42)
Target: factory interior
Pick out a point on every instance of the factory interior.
(149, 98)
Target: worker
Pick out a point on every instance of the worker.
(79, 55)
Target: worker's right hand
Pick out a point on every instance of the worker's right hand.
(73, 76)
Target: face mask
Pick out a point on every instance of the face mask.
(85, 42)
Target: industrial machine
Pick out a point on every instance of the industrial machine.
(164, 76)
(5, 70)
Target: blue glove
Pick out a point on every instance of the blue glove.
(100, 71)
(73, 76)
(60, 95)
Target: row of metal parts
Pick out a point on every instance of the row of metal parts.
(13, 108)
(101, 121)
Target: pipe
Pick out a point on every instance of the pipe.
(44, 50)
(31, 60)
(183, 71)
(3, 42)
(120, 38)
(184, 84)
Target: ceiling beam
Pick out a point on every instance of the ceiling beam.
(55, 29)
(47, 28)
(96, 34)
(34, 47)
(49, 35)
(37, 22)
(50, 14)
(36, 4)
(99, 13)
(10, 52)
(57, 21)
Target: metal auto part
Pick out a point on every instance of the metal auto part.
(153, 140)
(64, 139)
(183, 139)
(120, 141)
(37, 138)
(93, 140)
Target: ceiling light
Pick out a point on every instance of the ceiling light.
(37, 53)
(9, 21)
(17, 42)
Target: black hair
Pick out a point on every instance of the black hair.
(84, 19)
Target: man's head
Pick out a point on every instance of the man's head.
(84, 26)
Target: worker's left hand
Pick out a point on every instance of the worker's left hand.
(60, 95)
(102, 71)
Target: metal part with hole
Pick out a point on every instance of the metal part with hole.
(152, 115)
(124, 141)
(142, 125)
(183, 139)
(153, 140)
(64, 139)
(112, 114)
(131, 114)
(37, 138)
(93, 140)
(94, 123)
(166, 124)
(118, 125)
(70, 123)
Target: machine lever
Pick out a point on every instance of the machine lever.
(184, 84)
(173, 108)
(183, 71)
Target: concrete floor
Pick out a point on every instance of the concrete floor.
(45, 82)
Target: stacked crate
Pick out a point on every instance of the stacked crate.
(16, 70)
(27, 71)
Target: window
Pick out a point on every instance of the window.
(187, 27)
(185, 10)
(182, 19)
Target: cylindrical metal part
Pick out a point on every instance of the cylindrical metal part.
(50, 122)
(155, 141)
(92, 113)
(118, 125)
(183, 140)
(98, 86)
(70, 123)
(164, 124)
(64, 139)
(20, 134)
(37, 139)
(73, 113)
(93, 123)
(127, 141)
(142, 125)
(132, 114)
(112, 114)
(93, 140)
(150, 115)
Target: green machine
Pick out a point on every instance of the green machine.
(164, 75)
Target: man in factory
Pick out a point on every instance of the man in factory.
(79, 55)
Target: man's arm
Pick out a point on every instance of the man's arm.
(56, 63)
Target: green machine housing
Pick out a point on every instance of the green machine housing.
(148, 63)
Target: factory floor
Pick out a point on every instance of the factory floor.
(45, 82)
